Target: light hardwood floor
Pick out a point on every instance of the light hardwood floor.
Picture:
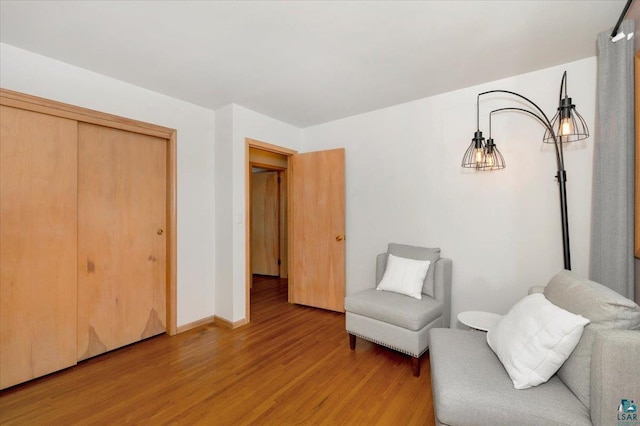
(290, 365)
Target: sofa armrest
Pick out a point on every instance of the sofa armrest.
(442, 290)
(615, 375)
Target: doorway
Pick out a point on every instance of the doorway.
(267, 225)
(314, 224)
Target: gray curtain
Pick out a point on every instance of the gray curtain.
(612, 258)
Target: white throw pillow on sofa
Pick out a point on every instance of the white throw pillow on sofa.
(534, 339)
(404, 276)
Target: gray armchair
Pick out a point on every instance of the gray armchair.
(397, 321)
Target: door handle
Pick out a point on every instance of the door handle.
(339, 237)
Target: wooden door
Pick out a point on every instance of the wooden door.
(121, 238)
(318, 229)
(38, 244)
(265, 223)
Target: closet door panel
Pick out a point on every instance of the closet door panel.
(265, 224)
(38, 244)
(121, 238)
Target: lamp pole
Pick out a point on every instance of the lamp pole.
(562, 181)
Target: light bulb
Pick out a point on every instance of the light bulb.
(566, 127)
(490, 161)
(479, 155)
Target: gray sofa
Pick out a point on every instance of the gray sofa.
(471, 387)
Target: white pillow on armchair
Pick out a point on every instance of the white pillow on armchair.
(404, 276)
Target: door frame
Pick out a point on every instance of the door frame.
(58, 109)
(263, 146)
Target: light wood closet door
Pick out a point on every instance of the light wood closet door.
(38, 237)
(265, 224)
(122, 239)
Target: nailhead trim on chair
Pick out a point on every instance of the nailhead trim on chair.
(388, 346)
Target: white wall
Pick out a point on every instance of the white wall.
(37, 75)
(404, 183)
(502, 228)
(224, 213)
(235, 123)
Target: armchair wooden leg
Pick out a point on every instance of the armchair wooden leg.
(415, 365)
(352, 341)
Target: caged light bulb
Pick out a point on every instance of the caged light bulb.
(479, 155)
(566, 127)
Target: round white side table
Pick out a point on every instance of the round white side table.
(479, 320)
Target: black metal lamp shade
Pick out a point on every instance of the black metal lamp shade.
(474, 157)
(493, 157)
(568, 124)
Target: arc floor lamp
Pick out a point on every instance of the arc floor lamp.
(566, 126)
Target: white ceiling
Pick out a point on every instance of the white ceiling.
(308, 62)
